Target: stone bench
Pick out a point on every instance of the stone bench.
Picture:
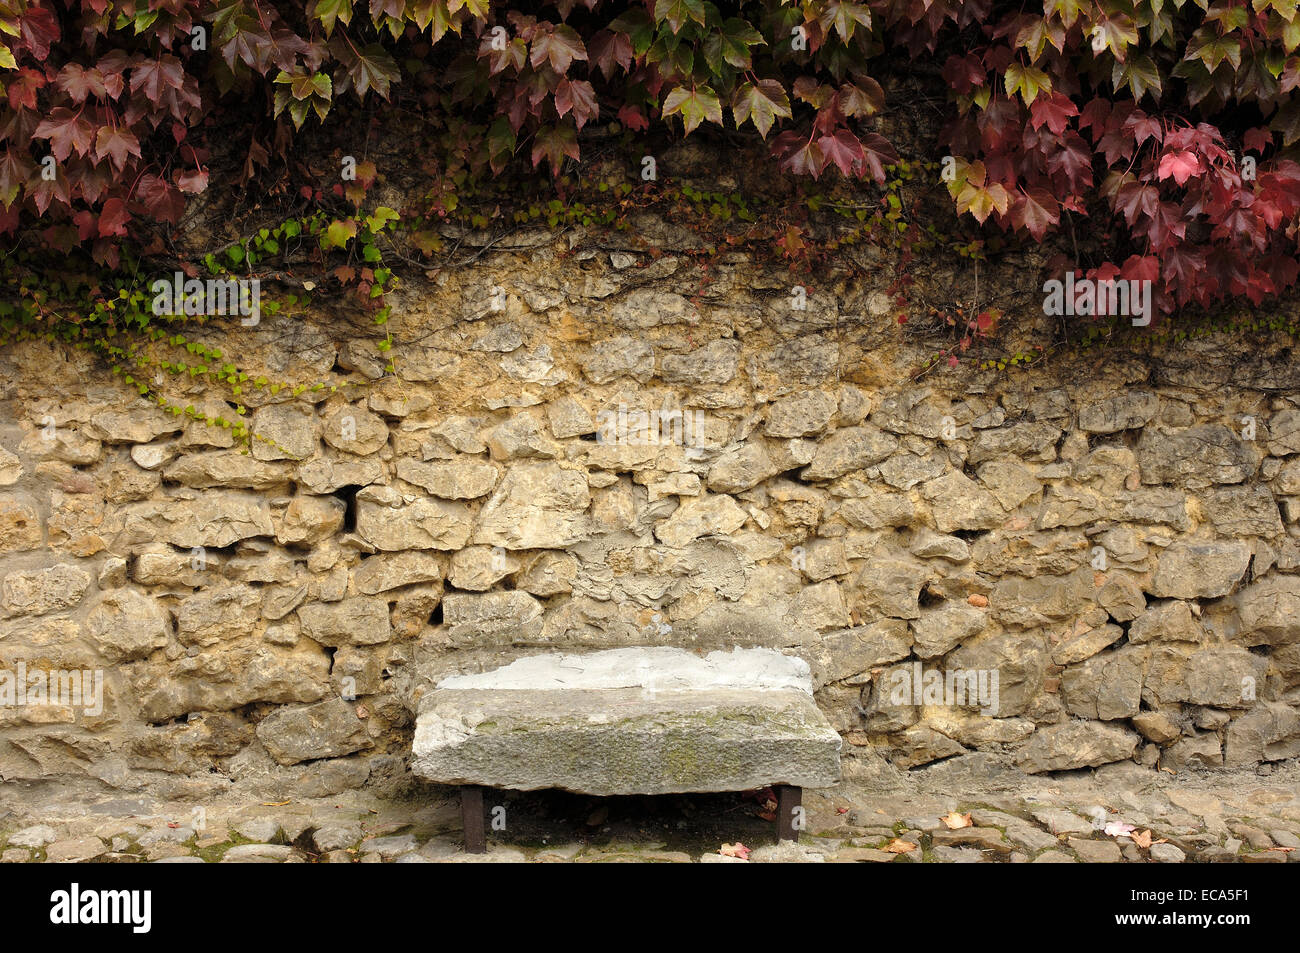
(629, 721)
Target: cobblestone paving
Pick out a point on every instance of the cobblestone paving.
(1208, 819)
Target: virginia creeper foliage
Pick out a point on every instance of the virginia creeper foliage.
(1170, 124)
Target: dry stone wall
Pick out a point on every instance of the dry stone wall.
(583, 447)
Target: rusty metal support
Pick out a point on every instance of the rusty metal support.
(471, 812)
(789, 812)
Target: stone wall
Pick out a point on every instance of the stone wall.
(1113, 535)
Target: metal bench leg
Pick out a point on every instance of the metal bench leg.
(471, 812)
(788, 801)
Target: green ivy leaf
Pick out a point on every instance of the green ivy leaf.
(694, 106)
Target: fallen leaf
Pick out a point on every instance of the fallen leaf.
(1282, 850)
(841, 810)
(274, 803)
(955, 821)
(899, 846)
(735, 850)
(1119, 828)
(1142, 839)
(170, 824)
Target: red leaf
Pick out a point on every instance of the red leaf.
(560, 48)
(843, 149)
(67, 133)
(578, 96)
(22, 88)
(117, 143)
(162, 200)
(1035, 210)
(154, 77)
(1054, 110)
(192, 181)
(38, 29)
(633, 118)
(113, 218)
(877, 153)
(1257, 139)
(553, 144)
(79, 82)
(1181, 166)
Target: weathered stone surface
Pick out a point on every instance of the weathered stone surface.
(1242, 511)
(422, 524)
(1025, 441)
(1041, 600)
(629, 721)
(1019, 659)
(210, 617)
(1166, 622)
(930, 545)
(20, 523)
(11, 468)
(1126, 411)
(958, 502)
(308, 519)
(326, 474)
(362, 620)
(702, 516)
(890, 587)
(1191, 570)
(1197, 750)
(328, 729)
(471, 616)
(1076, 744)
(1268, 732)
(1270, 611)
(211, 519)
(620, 357)
(850, 654)
(243, 673)
(44, 590)
(569, 417)
(1284, 432)
(938, 631)
(715, 363)
(227, 468)
(478, 568)
(1224, 676)
(523, 436)
(1011, 483)
(1197, 457)
(1107, 686)
(355, 430)
(285, 432)
(126, 625)
(1121, 596)
(847, 449)
(1086, 642)
(383, 571)
(740, 468)
(1157, 726)
(799, 415)
(536, 506)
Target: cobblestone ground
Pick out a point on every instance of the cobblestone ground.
(1214, 818)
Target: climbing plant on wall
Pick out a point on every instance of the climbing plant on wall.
(1172, 124)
